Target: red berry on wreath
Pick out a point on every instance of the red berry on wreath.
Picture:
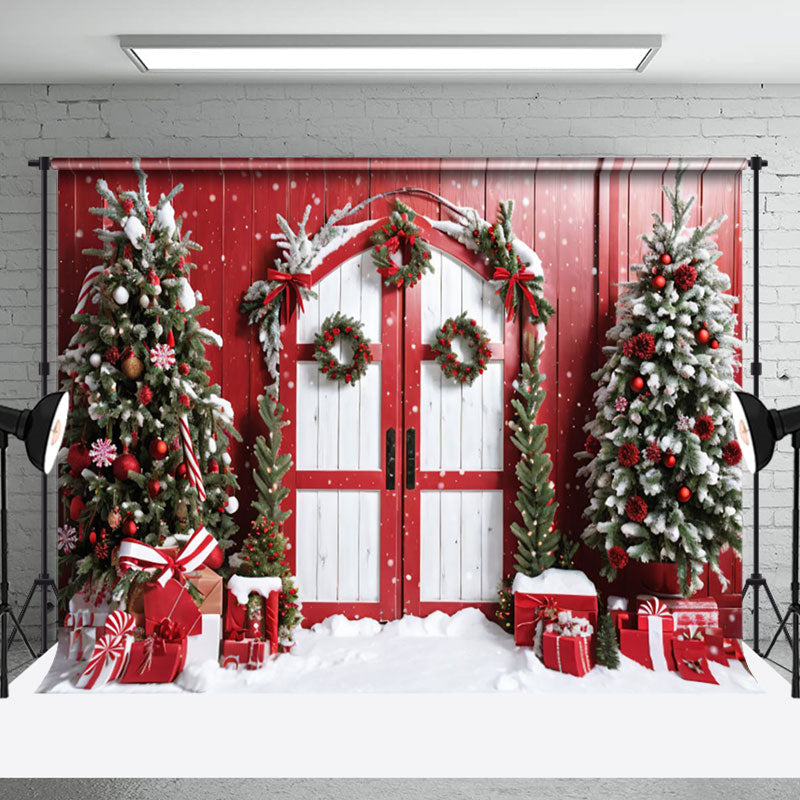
(666, 258)
(183, 369)
(637, 383)
(684, 494)
(145, 395)
(659, 282)
(702, 336)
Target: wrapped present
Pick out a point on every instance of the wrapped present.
(159, 658)
(653, 613)
(619, 613)
(85, 620)
(651, 648)
(209, 584)
(691, 660)
(251, 609)
(552, 589)
(111, 651)
(688, 611)
(81, 643)
(567, 653)
(205, 645)
(730, 615)
(244, 653)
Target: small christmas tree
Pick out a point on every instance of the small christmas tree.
(662, 471)
(540, 544)
(505, 608)
(264, 551)
(147, 435)
(607, 645)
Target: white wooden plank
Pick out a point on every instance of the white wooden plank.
(491, 437)
(348, 558)
(451, 391)
(430, 546)
(369, 546)
(350, 287)
(327, 545)
(369, 423)
(431, 288)
(493, 312)
(471, 542)
(471, 292)
(471, 422)
(308, 323)
(371, 309)
(350, 414)
(308, 376)
(450, 521)
(491, 544)
(430, 415)
(306, 544)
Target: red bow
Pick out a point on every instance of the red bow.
(387, 272)
(293, 283)
(520, 278)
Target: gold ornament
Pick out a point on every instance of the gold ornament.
(132, 367)
(114, 519)
(181, 511)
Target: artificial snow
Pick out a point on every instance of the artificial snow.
(242, 586)
(439, 653)
(555, 581)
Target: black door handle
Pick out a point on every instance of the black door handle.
(411, 464)
(390, 437)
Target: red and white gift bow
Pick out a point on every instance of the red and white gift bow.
(657, 611)
(192, 467)
(86, 288)
(134, 554)
(111, 651)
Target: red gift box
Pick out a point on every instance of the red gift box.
(247, 653)
(654, 613)
(172, 601)
(651, 648)
(690, 657)
(730, 615)
(155, 661)
(688, 611)
(622, 619)
(569, 654)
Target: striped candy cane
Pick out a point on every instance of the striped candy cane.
(192, 467)
(86, 288)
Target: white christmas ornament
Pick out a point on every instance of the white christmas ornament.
(232, 506)
(95, 359)
(144, 301)
(226, 459)
(120, 295)
(134, 230)
(165, 218)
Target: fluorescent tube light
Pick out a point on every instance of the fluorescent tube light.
(382, 54)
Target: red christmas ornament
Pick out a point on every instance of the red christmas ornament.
(153, 279)
(666, 258)
(628, 455)
(684, 494)
(78, 458)
(180, 471)
(154, 488)
(685, 277)
(704, 426)
(214, 561)
(170, 338)
(183, 368)
(129, 527)
(183, 399)
(714, 344)
(213, 467)
(653, 452)
(76, 506)
(592, 445)
(669, 460)
(125, 464)
(642, 346)
(158, 449)
(92, 538)
(702, 336)
(732, 453)
(618, 557)
(145, 395)
(659, 282)
(637, 383)
(636, 508)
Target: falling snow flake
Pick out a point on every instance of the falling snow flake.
(162, 356)
(103, 453)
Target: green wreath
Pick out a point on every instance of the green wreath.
(339, 327)
(401, 234)
(462, 325)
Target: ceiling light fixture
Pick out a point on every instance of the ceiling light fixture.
(386, 54)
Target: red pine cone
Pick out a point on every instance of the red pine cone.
(618, 558)
(642, 346)
(653, 452)
(592, 445)
(704, 426)
(685, 277)
(732, 453)
(145, 395)
(636, 508)
(628, 455)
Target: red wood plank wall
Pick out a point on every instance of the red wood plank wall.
(583, 217)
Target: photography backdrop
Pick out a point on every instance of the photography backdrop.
(583, 217)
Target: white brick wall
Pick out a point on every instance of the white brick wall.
(429, 120)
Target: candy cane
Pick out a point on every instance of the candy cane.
(86, 288)
(193, 470)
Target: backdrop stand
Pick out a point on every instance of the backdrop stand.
(756, 579)
(44, 581)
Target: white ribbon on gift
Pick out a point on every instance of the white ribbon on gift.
(655, 641)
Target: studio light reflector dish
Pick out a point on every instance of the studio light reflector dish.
(410, 53)
(42, 428)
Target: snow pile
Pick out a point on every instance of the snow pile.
(555, 581)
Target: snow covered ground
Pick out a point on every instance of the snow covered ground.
(440, 653)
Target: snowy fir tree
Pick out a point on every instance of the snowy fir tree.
(539, 543)
(148, 435)
(264, 551)
(662, 457)
(607, 645)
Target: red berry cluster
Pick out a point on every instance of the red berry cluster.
(704, 426)
(442, 346)
(642, 346)
(636, 508)
(618, 557)
(629, 455)
(685, 277)
(653, 452)
(732, 453)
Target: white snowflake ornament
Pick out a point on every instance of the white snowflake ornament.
(66, 538)
(103, 453)
(162, 356)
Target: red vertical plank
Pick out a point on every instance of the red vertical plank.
(344, 186)
(69, 279)
(388, 175)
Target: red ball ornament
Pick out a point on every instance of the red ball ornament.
(666, 258)
(129, 527)
(213, 466)
(76, 506)
(158, 449)
(659, 282)
(92, 538)
(684, 494)
(637, 383)
(78, 458)
(714, 344)
(669, 460)
(125, 464)
(180, 471)
(154, 488)
(214, 561)
(702, 336)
